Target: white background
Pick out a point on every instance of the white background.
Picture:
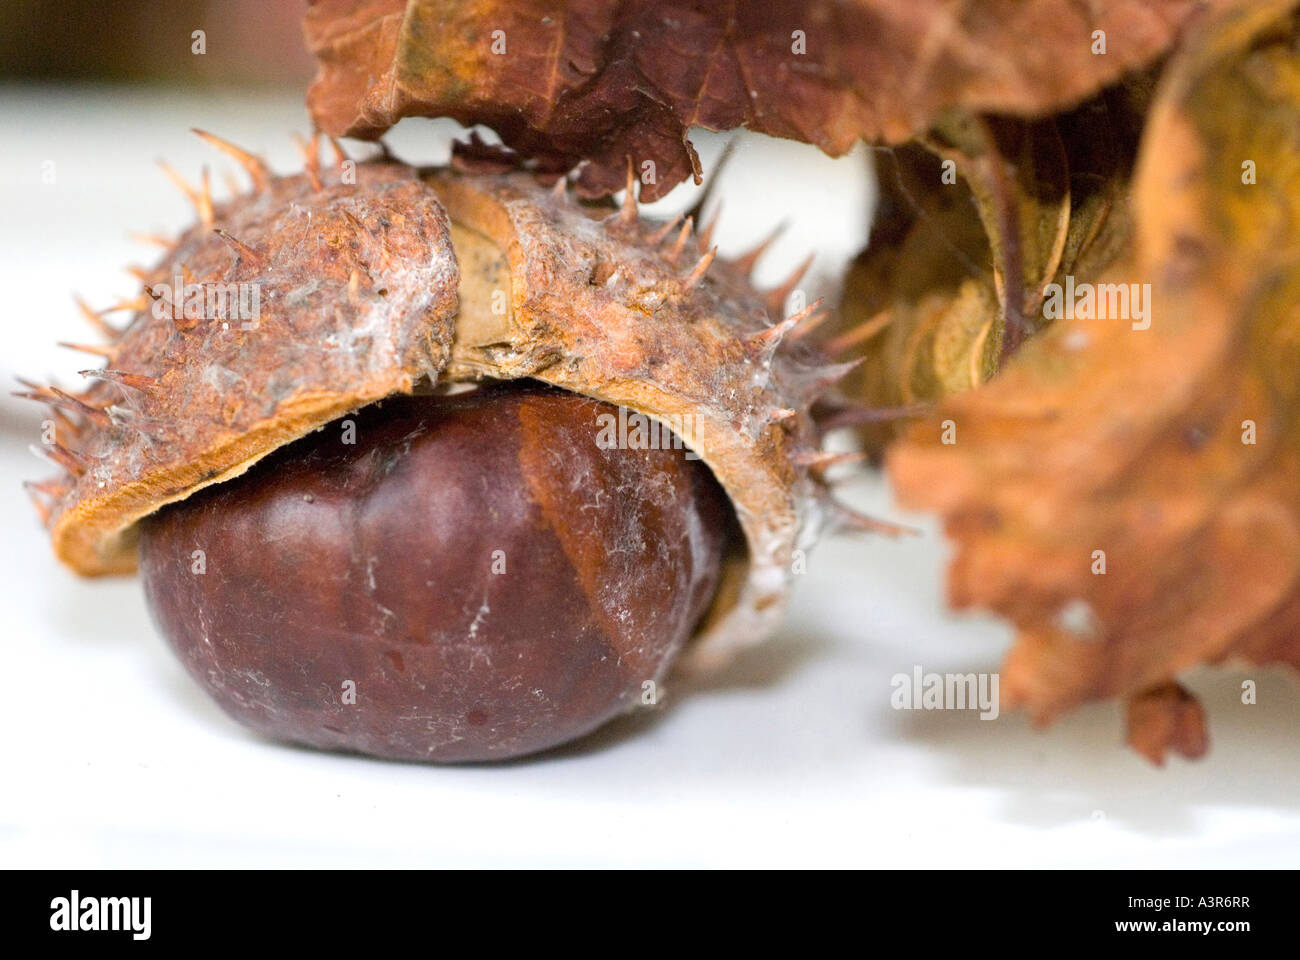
(111, 756)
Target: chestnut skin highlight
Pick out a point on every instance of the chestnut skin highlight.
(483, 577)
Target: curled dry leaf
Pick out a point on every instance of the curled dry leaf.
(978, 200)
(569, 81)
(1125, 491)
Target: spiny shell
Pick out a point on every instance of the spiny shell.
(370, 287)
(222, 396)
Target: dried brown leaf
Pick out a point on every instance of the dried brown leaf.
(566, 81)
(1174, 449)
(990, 198)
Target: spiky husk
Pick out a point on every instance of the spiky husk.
(402, 278)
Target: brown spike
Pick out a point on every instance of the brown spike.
(680, 243)
(50, 488)
(313, 174)
(340, 155)
(310, 151)
(33, 386)
(64, 425)
(187, 274)
(819, 462)
(836, 372)
(826, 377)
(134, 305)
(59, 400)
(72, 462)
(780, 414)
(313, 145)
(153, 238)
(657, 235)
(106, 329)
(232, 185)
(860, 334)
(38, 390)
(846, 519)
(205, 198)
(776, 297)
(774, 334)
(42, 508)
(96, 351)
(180, 182)
(136, 380)
(96, 415)
(40, 396)
(241, 249)
(140, 273)
(354, 285)
(254, 165)
(701, 268)
(560, 187)
(746, 262)
(202, 200)
(627, 212)
(808, 326)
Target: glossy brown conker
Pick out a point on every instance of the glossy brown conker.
(473, 578)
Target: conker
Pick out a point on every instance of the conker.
(473, 578)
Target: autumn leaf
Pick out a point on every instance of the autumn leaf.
(565, 82)
(929, 305)
(1127, 489)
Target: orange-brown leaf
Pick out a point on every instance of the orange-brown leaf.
(564, 81)
(1171, 454)
(967, 235)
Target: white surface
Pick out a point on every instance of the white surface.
(111, 756)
